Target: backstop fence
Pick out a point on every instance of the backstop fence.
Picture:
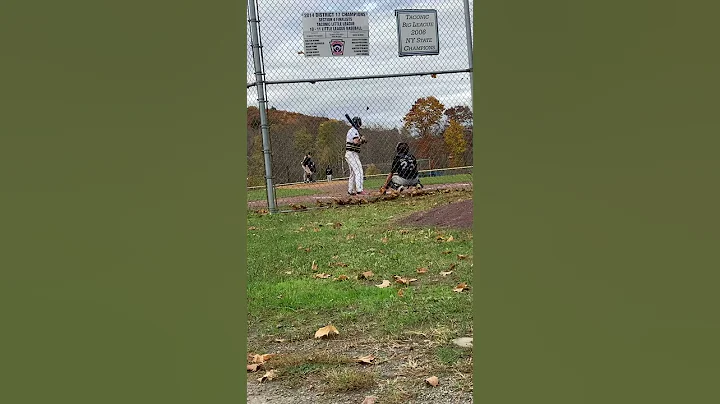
(404, 67)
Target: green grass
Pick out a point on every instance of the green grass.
(449, 355)
(348, 379)
(371, 183)
(285, 301)
(280, 192)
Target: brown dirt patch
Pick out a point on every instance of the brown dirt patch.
(327, 193)
(455, 215)
(401, 365)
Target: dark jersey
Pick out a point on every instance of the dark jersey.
(405, 166)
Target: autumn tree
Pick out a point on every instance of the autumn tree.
(424, 116)
(455, 143)
(424, 120)
(330, 143)
(460, 113)
(256, 163)
(463, 115)
(304, 141)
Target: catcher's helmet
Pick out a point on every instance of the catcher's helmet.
(357, 121)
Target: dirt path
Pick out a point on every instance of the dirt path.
(327, 193)
(401, 370)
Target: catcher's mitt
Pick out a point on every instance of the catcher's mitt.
(382, 190)
(362, 139)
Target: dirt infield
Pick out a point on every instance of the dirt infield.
(455, 215)
(327, 193)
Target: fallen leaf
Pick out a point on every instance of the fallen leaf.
(341, 278)
(401, 293)
(440, 238)
(262, 358)
(384, 284)
(300, 247)
(339, 264)
(321, 276)
(337, 225)
(421, 270)
(316, 230)
(451, 238)
(461, 256)
(461, 287)
(433, 381)
(365, 359)
(350, 237)
(307, 249)
(404, 231)
(253, 367)
(314, 266)
(451, 267)
(252, 228)
(446, 252)
(280, 340)
(335, 257)
(366, 275)
(446, 273)
(288, 272)
(298, 207)
(271, 374)
(404, 281)
(384, 240)
(369, 400)
(326, 331)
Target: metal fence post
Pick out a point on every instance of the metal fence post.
(262, 102)
(468, 34)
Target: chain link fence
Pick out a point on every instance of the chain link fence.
(424, 101)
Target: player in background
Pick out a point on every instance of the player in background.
(307, 168)
(403, 172)
(328, 173)
(352, 156)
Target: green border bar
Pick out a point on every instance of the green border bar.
(597, 202)
(122, 158)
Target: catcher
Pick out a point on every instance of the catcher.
(352, 155)
(404, 172)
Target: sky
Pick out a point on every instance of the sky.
(378, 101)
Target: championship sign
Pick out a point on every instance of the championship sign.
(417, 32)
(345, 33)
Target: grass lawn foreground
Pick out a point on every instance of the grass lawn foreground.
(304, 274)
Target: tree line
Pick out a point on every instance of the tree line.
(439, 138)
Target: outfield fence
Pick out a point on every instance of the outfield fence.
(310, 63)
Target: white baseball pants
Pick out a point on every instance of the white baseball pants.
(355, 182)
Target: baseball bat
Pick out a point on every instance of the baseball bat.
(351, 122)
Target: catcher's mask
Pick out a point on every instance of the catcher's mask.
(357, 121)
